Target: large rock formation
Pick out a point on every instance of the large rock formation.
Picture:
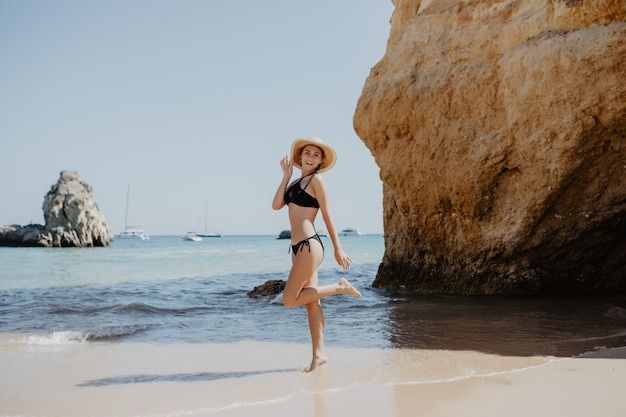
(72, 219)
(499, 127)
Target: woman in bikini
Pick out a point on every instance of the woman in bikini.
(304, 198)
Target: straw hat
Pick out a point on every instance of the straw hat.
(329, 155)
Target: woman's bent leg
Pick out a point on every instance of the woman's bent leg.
(303, 274)
(299, 292)
(308, 295)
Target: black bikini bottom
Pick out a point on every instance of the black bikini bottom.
(300, 245)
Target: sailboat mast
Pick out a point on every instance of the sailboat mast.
(126, 216)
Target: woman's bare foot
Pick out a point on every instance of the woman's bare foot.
(316, 362)
(347, 289)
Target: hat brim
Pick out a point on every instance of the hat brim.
(330, 156)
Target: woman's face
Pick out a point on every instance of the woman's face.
(311, 157)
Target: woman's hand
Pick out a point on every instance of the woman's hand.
(287, 166)
(342, 259)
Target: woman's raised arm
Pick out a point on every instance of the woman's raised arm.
(279, 198)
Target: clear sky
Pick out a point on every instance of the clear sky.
(190, 102)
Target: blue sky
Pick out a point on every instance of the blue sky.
(191, 103)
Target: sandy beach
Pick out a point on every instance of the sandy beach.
(266, 379)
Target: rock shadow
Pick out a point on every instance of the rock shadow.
(561, 326)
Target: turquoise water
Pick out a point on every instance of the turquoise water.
(167, 290)
(167, 257)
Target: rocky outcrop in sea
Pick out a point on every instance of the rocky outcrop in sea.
(270, 288)
(73, 219)
(500, 131)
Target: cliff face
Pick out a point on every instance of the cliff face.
(73, 219)
(499, 127)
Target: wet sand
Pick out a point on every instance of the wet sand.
(266, 379)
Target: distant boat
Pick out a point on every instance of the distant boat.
(206, 232)
(285, 234)
(209, 234)
(322, 233)
(192, 237)
(351, 231)
(131, 232)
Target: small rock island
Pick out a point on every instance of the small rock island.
(73, 219)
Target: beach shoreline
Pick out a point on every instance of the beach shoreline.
(264, 378)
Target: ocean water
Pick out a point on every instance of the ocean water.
(167, 290)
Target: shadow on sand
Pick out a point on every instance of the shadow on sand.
(183, 377)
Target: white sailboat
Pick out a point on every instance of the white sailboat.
(206, 231)
(131, 232)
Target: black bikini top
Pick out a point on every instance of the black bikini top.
(297, 195)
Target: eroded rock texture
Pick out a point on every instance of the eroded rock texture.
(499, 127)
(73, 219)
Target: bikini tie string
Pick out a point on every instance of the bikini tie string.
(299, 247)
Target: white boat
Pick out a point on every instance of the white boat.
(351, 231)
(192, 237)
(131, 232)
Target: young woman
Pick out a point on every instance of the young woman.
(304, 198)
